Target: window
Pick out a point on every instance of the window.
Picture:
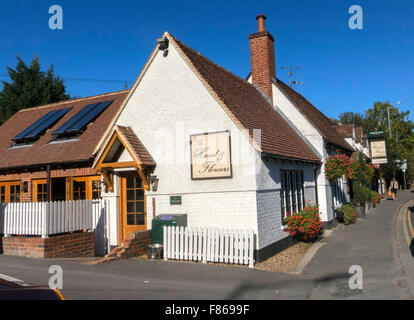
(96, 189)
(135, 203)
(292, 192)
(2, 194)
(41, 192)
(10, 192)
(39, 127)
(79, 190)
(339, 192)
(15, 193)
(83, 188)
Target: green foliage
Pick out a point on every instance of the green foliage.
(350, 214)
(355, 118)
(29, 87)
(361, 194)
(399, 142)
(306, 225)
(363, 173)
(375, 198)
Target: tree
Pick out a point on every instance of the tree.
(354, 118)
(399, 141)
(29, 87)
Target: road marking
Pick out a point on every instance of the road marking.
(407, 237)
(410, 224)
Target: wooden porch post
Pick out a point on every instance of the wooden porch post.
(48, 183)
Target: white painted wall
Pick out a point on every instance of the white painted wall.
(169, 104)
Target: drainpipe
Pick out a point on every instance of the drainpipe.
(315, 178)
(48, 183)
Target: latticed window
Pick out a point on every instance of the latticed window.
(292, 192)
(135, 203)
(15, 193)
(96, 189)
(41, 192)
(2, 194)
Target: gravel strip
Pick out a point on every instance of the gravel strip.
(286, 260)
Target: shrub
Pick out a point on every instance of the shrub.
(361, 195)
(306, 225)
(350, 214)
(375, 198)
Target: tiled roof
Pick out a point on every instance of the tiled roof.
(42, 152)
(135, 145)
(248, 107)
(322, 122)
(346, 130)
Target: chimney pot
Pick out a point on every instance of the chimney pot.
(260, 22)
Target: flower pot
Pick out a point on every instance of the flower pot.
(339, 215)
(360, 211)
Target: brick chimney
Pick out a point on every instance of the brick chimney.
(262, 57)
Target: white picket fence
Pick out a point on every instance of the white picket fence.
(48, 218)
(209, 245)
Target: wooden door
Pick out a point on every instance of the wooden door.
(133, 215)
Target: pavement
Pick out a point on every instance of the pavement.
(378, 244)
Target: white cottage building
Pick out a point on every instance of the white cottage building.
(191, 130)
(312, 125)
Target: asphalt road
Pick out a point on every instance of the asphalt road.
(375, 243)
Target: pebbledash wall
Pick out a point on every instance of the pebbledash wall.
(81, 244)
(302, 125)
(169, 104)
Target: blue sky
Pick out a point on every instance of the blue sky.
(341, 69)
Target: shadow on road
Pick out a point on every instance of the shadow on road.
(243, 289)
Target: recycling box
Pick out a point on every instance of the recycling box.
(159, 221)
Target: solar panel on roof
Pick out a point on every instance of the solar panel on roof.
(41, 125)
(63, 128)
(82, 118)
(47, 124)
(93, 114)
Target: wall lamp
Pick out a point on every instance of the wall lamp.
(163, 42)
(24, 186)
(104, 186)
(153, 180)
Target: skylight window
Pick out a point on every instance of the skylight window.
(77, 124)
(38, 128)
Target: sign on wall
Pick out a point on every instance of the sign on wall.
(211, 155)
(378, 152)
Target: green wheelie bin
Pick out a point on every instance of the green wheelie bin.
(159, 221)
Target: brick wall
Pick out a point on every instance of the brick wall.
(26, 196)
(65, 246)
(135, 245)
(54, 173)
(262, 57)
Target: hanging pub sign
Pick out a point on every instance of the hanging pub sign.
(210, 155)
(378, 147)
